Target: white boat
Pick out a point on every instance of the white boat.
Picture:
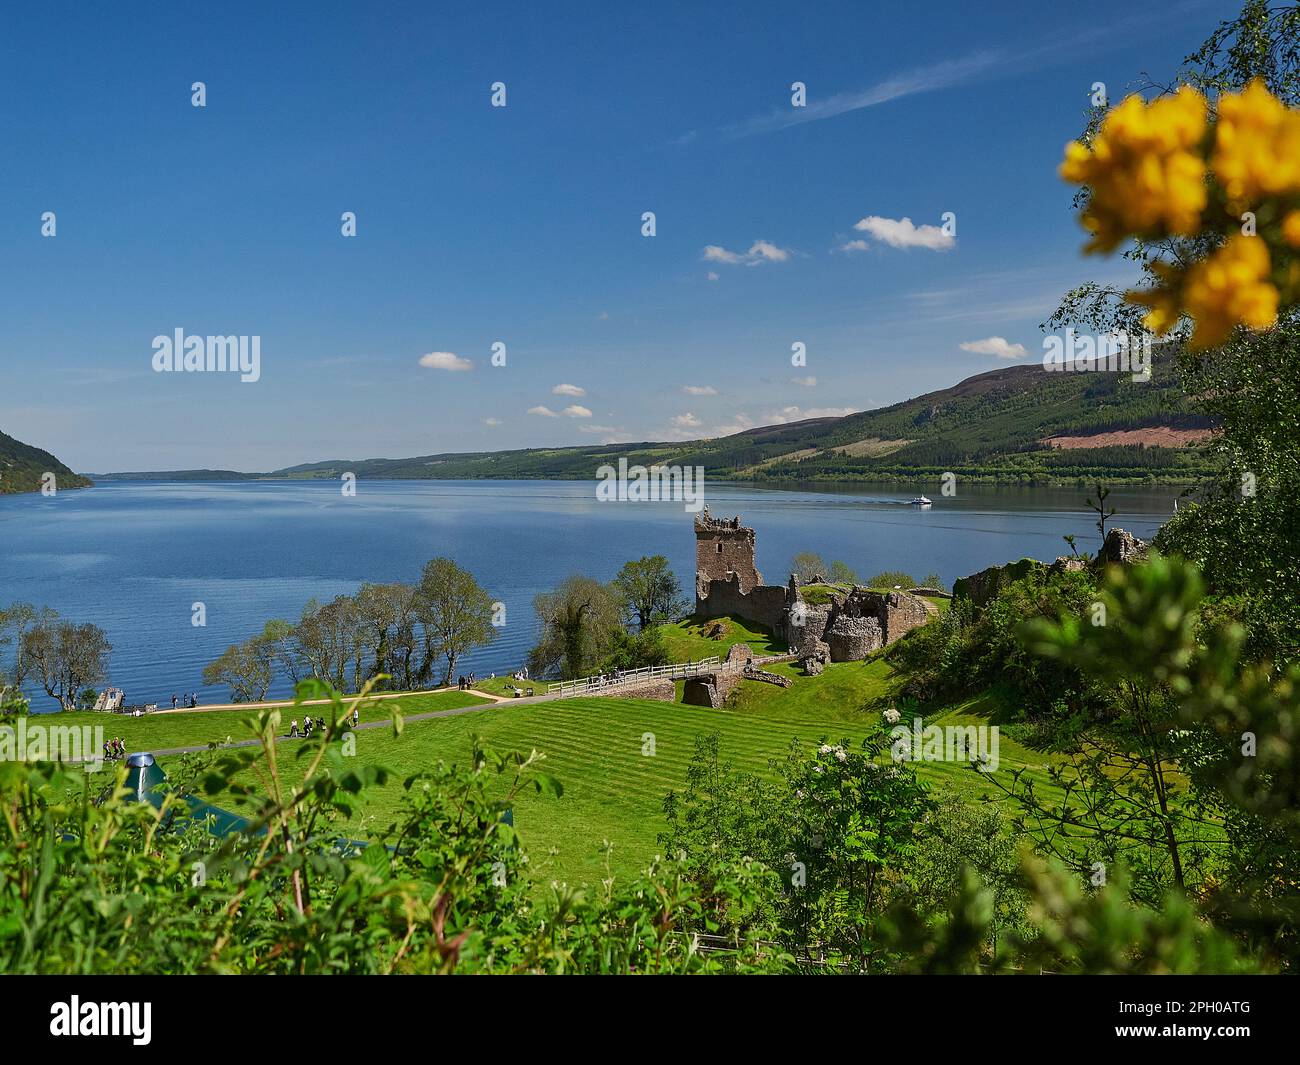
(920, 501)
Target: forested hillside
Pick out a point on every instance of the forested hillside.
(21, 468)
(995, 427)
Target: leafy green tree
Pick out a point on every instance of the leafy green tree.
(455, 614)
(581, 623)
(651, 591)
(809, 567)
(839, 828)
(892, 578)
(247, 668)
(15, 620)
(843, 573)
(64, 657)
(636, 650)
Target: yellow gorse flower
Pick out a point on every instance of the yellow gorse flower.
(1256, 146)
(1144, 169)
(1231, 287)
(1291, 229)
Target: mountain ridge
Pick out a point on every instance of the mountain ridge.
(993, 426)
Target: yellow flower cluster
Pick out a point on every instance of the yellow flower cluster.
(1145, 170)
(1154, 169)
(1256, 147)
(1230, 287)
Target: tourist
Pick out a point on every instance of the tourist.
(293, 728)
(320, 722)
(355, 717)
(173, 700)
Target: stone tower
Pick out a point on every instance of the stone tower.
(724, 550)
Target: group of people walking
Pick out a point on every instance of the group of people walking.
(114, 748)
(466, 682)
(191, 700)
(309, 725)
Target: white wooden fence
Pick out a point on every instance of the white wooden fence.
(629, 677)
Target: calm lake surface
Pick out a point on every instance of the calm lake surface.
(134, 557)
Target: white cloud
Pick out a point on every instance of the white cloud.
(544, 412)
(854, 245)
(491, 421)
(603, 316)
(699, 390)
(798, 414)
(568, 390)
(901, 233)
(761, 251)
(998, 346)
(806, 382)
(687, 421)
(712, 275)
(576, 411)
(445, 360)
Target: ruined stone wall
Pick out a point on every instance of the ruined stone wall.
(661, 689)
(902, 613)
(709, 689)
(764, 604)
(723, 548)
(852, 639)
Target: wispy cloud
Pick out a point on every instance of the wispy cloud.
(576, 411)
(699, 390)
(761, 251)
(568, 390)
(942, 75)
(542, 412)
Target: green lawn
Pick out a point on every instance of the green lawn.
(198, 727)
(612, 791)
(688, 641)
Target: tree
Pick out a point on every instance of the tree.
(1244, 534)
(455, 612)
(246, 667)
(280, 640)
(64, 657)
(14, 622)
(328, 636)
(808, 567)
(892, 578)
(389, 614)
(651, 592)
(843, 573)
(581, 621)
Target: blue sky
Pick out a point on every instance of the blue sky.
(522, 224)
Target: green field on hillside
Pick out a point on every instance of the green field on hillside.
(613, 792)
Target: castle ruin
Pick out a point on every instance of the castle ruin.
(848, 628)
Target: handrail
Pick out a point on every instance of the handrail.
(623, 678)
